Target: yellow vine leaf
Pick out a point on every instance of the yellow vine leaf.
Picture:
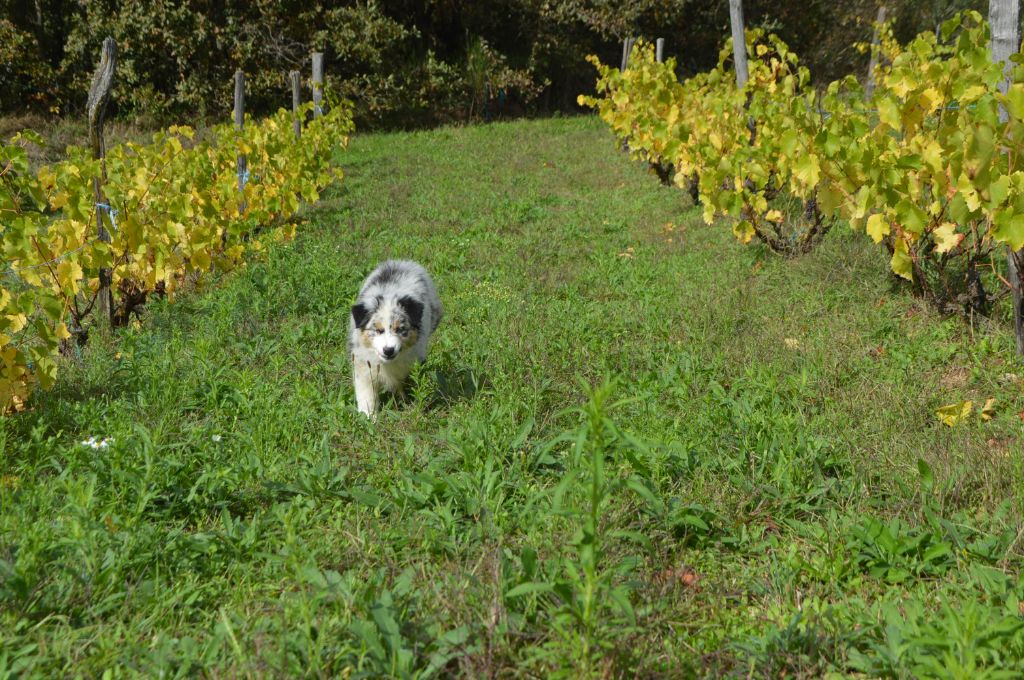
(954, 413)
(946, 237)
(807, 170)
(16, 322)
(744, 231)
(200, 259)
(877, 227)
(69, 273)
(989, 409)
(901, 263)
(972, 93)
(889, 113)
(967, 190)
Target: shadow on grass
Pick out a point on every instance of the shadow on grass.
(454, 385)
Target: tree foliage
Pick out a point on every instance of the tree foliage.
(403, 62)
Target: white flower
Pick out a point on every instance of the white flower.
(94, 443)
(215, 437)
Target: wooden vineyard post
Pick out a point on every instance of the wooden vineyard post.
(659, 50)
(241, 161)
(318, 83)
(1003, 16)
(627, 47)
(293, 77)
(99, 97)
(739, 42)
(739, 52)
(869, 86)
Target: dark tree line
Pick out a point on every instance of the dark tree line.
(404, 62)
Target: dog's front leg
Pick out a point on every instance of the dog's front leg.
(366, 392)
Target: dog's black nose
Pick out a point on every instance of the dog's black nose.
(389, 352)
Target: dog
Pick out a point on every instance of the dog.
(395, 314)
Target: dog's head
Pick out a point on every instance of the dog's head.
(389, 326)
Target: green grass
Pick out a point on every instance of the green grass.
(634, 451)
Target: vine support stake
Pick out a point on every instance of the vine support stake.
(627, 48)
(99, 97)
(241, 161)
(1003, 16)
(293, 77)
(876, 37)
(659, 50)
(318, 83)
(739, 42)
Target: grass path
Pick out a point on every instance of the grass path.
(637, 449)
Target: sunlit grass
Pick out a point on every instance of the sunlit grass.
(637, 449)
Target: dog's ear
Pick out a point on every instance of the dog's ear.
(360, 314)
(414, 309)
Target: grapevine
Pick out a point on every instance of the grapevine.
(925, 167)
(173, 209)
